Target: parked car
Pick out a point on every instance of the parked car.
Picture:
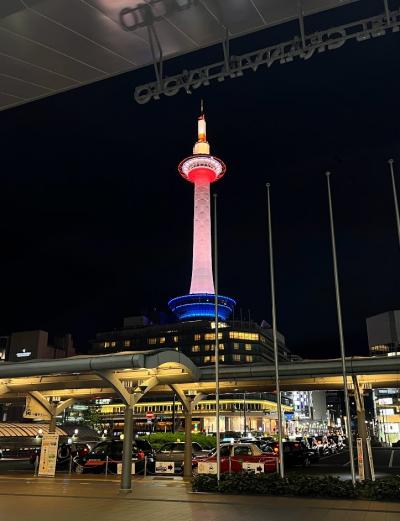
(174, 452)
(95, 460)
(234, 455)
(65, 451)
(296, 453)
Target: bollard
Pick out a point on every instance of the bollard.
(230, 465)
(70, 465)
(106, 471)
(36, 466)
(145, 466)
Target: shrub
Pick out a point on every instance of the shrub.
(158, 439)
(298, 485)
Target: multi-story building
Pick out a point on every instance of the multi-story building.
(384, 340)
(30, 345)
(239, 342)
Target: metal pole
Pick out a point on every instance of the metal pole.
(275, 338)
(173, 414)
(244, 413)
(216, 341)
(341, 336)
(396, 204)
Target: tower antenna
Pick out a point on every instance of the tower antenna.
(201, 107)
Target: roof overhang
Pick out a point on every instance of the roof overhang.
(51, 46)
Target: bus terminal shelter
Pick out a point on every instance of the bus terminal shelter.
(54, 385)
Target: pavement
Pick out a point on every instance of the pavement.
(162, 499)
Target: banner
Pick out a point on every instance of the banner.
(119, 468)
(35, 410)
(48, 455)
(165, 467)
(360, 459)
(204, 467)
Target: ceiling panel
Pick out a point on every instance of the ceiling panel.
(47, 46)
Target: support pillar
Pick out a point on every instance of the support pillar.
(361, 426)
(126, 477)
(52, 424)
(187, 461)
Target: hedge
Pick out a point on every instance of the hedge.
(158, 439)
(299, 486)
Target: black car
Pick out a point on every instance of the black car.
(295, 453)
(110, 452)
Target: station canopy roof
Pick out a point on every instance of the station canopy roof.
(50, 46)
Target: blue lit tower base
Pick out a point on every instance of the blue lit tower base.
(201, 306)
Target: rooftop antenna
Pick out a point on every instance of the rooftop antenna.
(201, 106)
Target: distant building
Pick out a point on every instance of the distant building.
(32, 345)
(384, 339)
(384, 333)
(240, 342)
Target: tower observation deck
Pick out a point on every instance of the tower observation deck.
(201, 169)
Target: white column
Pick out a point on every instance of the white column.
(202, 275)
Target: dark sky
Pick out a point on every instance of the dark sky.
(96, 223)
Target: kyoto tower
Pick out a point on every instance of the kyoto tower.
(201, 169)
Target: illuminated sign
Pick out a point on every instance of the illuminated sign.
(24, 353)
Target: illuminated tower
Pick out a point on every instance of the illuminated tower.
(201, 169)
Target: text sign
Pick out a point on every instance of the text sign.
(360, 459)
(119, 468)
(48, 455)
(165, 467)
(207, 467)
(253, 467)
(35, 410)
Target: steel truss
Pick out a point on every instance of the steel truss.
(303, 47)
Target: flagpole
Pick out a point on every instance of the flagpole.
(216, 341)
(396, 204)
(275, 338)
(341, 336)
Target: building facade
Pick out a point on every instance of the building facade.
(239, 342)
(384, 340)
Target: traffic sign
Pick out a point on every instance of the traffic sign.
(150, 415)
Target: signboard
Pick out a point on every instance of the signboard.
(289, 416)
(360, 459)
(150, 415)
(257, 468)
(207, 467)
(165, 467)
(371, 461)
(35, 410)
(119, 468)
(48, 455)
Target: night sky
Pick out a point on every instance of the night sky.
(96, 223)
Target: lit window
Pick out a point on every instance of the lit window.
(152, 341)
(195, 349)
(127, 343)
(247, 347)
(221, 346)
(207, 347)
(211, 336)
(162, 340)
(176, 338)
(236, 358)
(241, 335)
(113, 344)
(206, 359)
(249, 358)
(106, 344)
(236, 345)
(197, 336)
(222, 358)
